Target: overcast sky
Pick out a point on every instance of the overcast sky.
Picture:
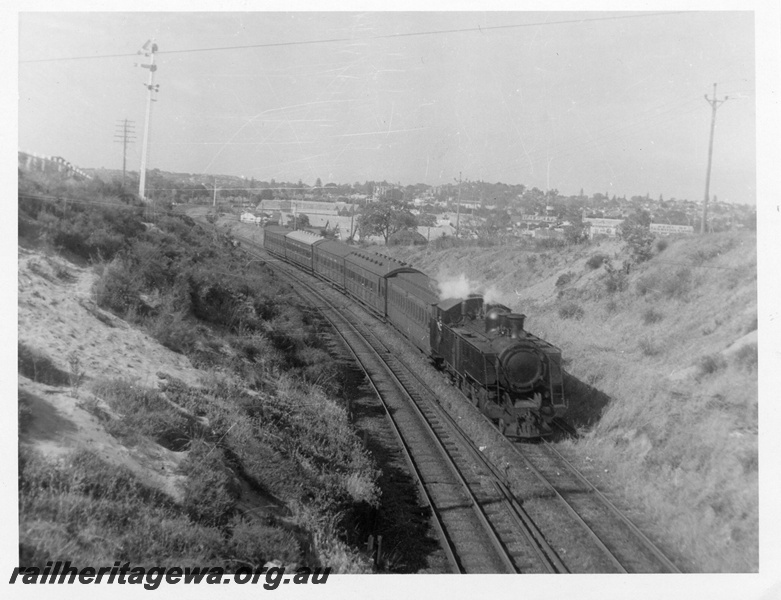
(604, 101)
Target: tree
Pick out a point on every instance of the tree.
(425, 219)
(385, 219)
(301, 221)
(636, 233)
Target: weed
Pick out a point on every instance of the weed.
(648, 348)
(615, 280)
(651, 316)
(76, 374)
(678, 284)
(747, 358)
(25, 411)
(144, 412)
(39, 367)
(596, 261)
(670, 284)
(571, 310)
(210, 490)
(711, 363)
(564, 279)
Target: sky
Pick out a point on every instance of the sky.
(603, 101)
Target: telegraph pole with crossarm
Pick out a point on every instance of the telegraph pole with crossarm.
(714, 102)
(124, 135)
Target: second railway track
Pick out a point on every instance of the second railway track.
(550, 520)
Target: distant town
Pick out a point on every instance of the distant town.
(468, 210)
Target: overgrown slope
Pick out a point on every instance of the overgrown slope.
(176, 408)
(664, 364)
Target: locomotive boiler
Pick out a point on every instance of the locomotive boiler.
(511, 375)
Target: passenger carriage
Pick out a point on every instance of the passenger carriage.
(299, 248)
(274, 239)
(365, 276)
(411, 295)
(329, 260)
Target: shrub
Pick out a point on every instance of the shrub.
(259, 543)
(596, 261)
(648, 348)
(639, 240)
(671, 284)
(615, 280)
(571, 310)
(651, 316)
(210, 490)
(677, 284)
(747, 357)
(143, 411)
(661, 245)
(39, 367)
(647, 283)
(710, 363)
(118, 289)
(564, 279)
(549, 243)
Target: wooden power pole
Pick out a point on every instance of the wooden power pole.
(124, 135)
(714, 102)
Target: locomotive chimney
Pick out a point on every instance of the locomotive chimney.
(514, 322)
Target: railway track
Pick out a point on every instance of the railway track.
(550, 520)
(619, 545)
(481, 527)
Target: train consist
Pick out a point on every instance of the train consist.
(512, 376)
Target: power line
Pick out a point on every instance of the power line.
(375, 37)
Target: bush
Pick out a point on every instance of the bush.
(711, 363)
(596, 261)
(118, 289)
(670, 284)
(39, 367)
(143, 411)
(661, 245)
(210, 490)
(615, 280)
(549, 243)
(648, 348)
(747, 357)
(571, 310)
(677, 284)
(639, 240)
(651, 316)
(564, 279)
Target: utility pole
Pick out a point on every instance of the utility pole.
(149, 49)
(714, 102)
(125, 136)
(214, 203)
(458, 206)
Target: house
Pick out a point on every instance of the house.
(248, 217)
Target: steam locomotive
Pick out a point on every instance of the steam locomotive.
(512, 376)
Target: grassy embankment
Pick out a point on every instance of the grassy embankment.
(678, 434)
(265, 421)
